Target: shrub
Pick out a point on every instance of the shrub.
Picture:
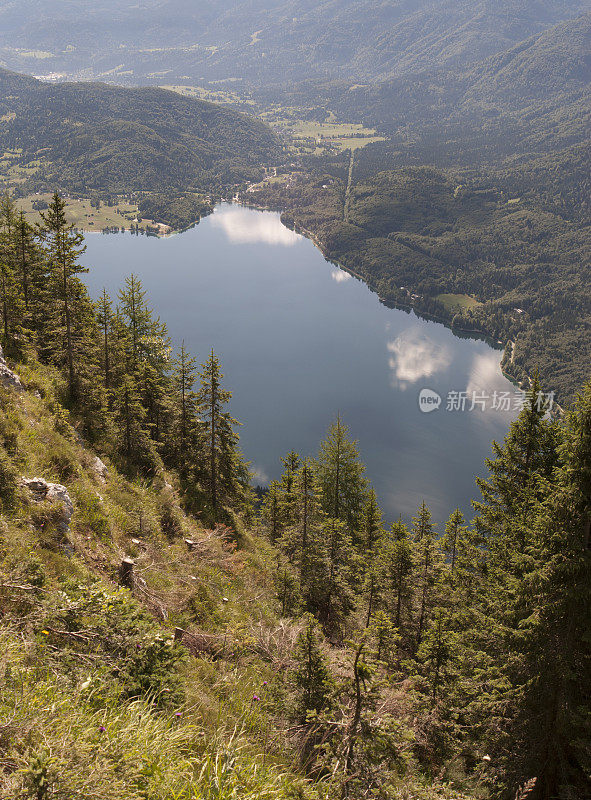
(92, 515)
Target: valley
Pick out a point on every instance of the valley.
(295, 504)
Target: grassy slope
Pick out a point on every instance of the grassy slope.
(73, 641)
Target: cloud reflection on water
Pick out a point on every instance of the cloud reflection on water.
(340, 276)
(485, 374)
(241, 226)
(414, 356)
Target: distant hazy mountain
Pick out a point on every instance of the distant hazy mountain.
(535, 96)
(266, 41)
(91, 136)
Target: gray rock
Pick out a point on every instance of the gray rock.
(8, 378)
(54, 492)
(100, 469)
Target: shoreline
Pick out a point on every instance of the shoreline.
(494, 344)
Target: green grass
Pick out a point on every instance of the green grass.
(457, 302)
(68, 633)
(81, 214)
(211, 95)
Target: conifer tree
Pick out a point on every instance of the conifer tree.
(311, 676)
(426, 566)
(372, 559)
(398, 567)
(224, 473)
(436, 652)
(291, 466)
(11, 301)
(340, 474)
(541, 723)
(271, 511)
(528, 453)
(64, 247)
(183, 377)
(337, 596)
(149, 355)
(371, 523)
(454, 541)
(25, 248)
(105, 321)
(303, 541)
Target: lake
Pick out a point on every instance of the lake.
(300, 341)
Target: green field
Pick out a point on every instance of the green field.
(211, 95)
(81, 214)
(458, 302)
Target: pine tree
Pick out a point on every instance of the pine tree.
(541, 723)
(340, 474)
(184, 376)
(453, 542)
(311, 676)
(105, 321)
(65, 246)
(149, 357)
(11, 302)
(271, 512)
(372, 559)
(130, 415)
(426, 566)
(224, 472)
(337, 595)
(528, 453)
(136, 312)
(303, 540)
(436, 652)
(398, 572)
(291, 466)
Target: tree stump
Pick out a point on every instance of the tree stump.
(126, 573)
(178, 634)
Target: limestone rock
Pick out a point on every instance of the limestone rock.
(54, 492)
(8, 378)
(100, 469)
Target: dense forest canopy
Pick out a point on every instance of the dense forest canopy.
(91, 136)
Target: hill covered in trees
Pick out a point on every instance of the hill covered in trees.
(87, 137)
(166, 632)
(417, 233)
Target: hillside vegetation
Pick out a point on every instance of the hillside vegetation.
(481, 190)
(86, 137)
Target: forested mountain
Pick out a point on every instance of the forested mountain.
(87, 136)
(268, 42)
(166, 629)
(534, 96)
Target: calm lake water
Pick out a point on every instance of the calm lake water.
(300, 341)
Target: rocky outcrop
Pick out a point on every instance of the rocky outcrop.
(54, 492)
(100, 469)
(8, 378)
